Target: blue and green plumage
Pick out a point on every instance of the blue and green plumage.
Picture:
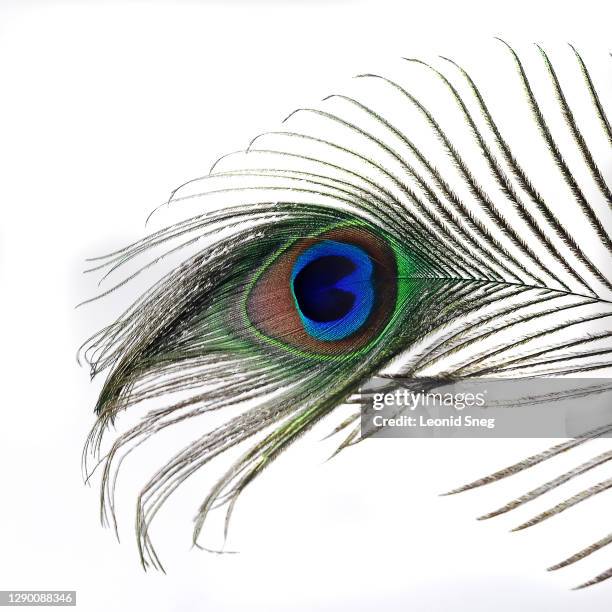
(342, 247)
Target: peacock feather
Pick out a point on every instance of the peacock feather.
(385, 230)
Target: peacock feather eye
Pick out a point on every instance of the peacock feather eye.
(329, 294)
(333, 289)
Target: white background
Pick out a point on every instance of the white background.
(104, 108)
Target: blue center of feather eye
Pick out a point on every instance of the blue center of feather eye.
(332, 285)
